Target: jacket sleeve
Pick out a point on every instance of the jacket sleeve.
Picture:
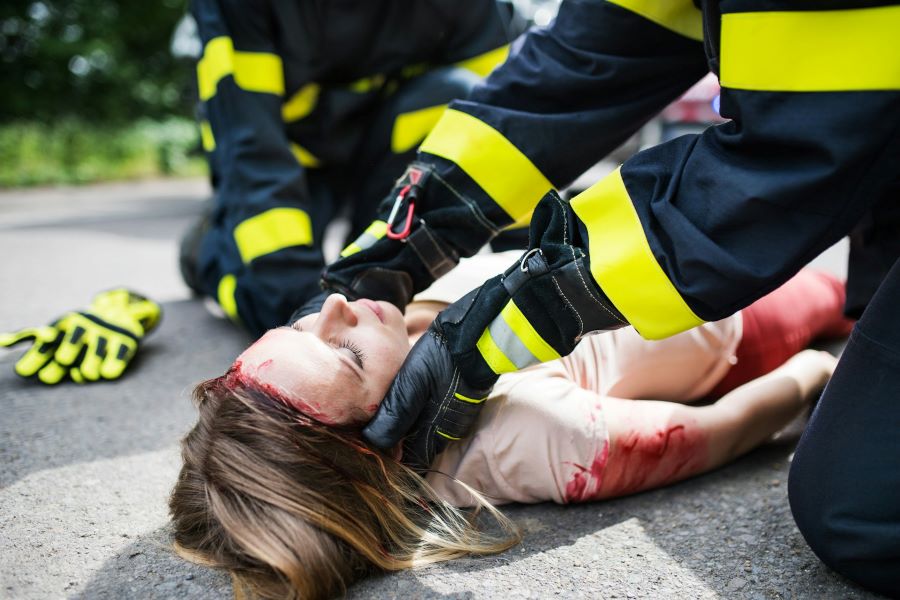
(566, 97)
(699, 227)
(262, 211)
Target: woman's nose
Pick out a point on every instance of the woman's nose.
(336, 311)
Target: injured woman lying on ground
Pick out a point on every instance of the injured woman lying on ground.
(279, 487)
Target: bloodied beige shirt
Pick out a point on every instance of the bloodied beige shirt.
(542, 434)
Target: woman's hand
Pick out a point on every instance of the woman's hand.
(811, 369)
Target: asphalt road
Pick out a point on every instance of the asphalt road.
(85, 470)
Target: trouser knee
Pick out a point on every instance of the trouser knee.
(840, 531)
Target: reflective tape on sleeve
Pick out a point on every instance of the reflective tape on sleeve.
(412, 127)
(206, 136)
(367, 238)
(493, 355)
(483, 64)
(623, 264)
(812, 51)
(510, 342)
(491, 160)
(680, 16)
(301, 103)
(304, 156)
(252, 71)
(225, 296)
(271, 231)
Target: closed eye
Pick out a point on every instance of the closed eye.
(358, 355)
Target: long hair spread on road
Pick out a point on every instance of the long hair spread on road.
(297, 509)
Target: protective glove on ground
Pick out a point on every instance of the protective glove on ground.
(89, 345)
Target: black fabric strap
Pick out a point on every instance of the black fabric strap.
(438, 258)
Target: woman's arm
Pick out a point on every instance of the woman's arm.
(656, 443)
(545, 438)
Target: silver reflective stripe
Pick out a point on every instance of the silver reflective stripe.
(366, 240)
(510, 344)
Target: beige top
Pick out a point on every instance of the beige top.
(544, 425)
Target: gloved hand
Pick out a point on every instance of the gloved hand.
(96, 343)
(423, 228)
(536, 311)
(446, 410)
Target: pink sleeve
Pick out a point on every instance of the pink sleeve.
(683, 367)
(537, 438)
(543, 434)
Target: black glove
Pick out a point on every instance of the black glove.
(536, 311)
(448, 410)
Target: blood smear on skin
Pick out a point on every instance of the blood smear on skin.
(644, 460)
(586, 481)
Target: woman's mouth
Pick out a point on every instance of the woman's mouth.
(371, 305)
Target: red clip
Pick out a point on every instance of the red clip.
(407, 226)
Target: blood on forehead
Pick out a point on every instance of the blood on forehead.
(238, 378)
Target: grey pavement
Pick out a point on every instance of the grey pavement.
(85, 470)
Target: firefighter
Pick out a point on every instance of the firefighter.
(686, 232)
(309, 109)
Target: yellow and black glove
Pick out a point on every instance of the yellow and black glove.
(89, 345)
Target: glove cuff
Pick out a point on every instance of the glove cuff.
(537, 311)
(424, 227)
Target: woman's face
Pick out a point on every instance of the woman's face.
(335, 365)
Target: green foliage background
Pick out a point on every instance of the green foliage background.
(92, 91)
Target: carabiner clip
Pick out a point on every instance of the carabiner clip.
(407, 225)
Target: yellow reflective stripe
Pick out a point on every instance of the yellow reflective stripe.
(214, 65)
(522, 222)
(447, 435)
(410, 71)
(812, 51)
(225, 295)
(412, 127)
(483, 64)
(530, 338)
(367, 84)
(623, 264)
(377, 229)
(374, 232)
(493, 355)
(304, 156)
(259, 72)
(206, 136)
(271, 231)
(300, 104)
(253, 71)
(459, 396)
(680, 16)
(502, 171)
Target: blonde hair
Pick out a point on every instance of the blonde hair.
(297, 509)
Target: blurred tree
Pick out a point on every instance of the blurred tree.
(99, 60)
